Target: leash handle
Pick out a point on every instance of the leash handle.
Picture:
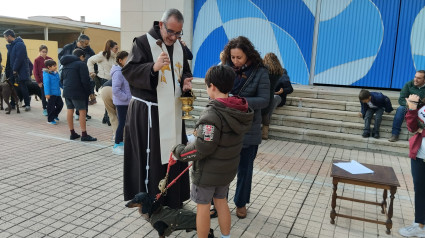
(158, 196)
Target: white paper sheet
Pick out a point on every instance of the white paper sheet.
(354, 167)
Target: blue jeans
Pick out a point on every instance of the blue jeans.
(122, 115)
(368, 118)
(398, 120)
(267, 117)
(418, 174)
(246, 166)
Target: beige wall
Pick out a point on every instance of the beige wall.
(98, 38)
(32, 49)
(137, 17)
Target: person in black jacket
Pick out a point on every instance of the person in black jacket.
(17, 66)
(373, 103)
(283, 88)
(83, 42)
(76, 88)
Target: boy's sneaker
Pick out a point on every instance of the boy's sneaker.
(118, 149)
(412, 231)
(52, 122)
(45, 112)
(56, 118)
(74, 136)
(365, 135)
(27, 108)
(88, 138)
(77, 117)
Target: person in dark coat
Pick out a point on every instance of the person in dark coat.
(83, 42)
(76, 88)
(18, 63)
(251, 82)
(373, 103)
(283, 88)
(157, 72)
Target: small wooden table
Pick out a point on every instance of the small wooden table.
(383, 178)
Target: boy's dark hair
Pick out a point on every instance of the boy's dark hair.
(120, 56)
(42, 47)
(222, 77)
(79, 52)
(364, 94)
(9, 32)
(49, 63)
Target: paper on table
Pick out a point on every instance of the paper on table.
(354, 167)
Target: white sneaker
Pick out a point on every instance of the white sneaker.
(412, 231)
(77, 117)
(118, 149)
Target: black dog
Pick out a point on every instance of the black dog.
(164, 219)
(7, 91)
(33, 89)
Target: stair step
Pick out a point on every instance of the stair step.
(332, 126)
(339, 139)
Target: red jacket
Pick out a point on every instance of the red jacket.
(415, 141)
(38, 68)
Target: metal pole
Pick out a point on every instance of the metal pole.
(315, 38)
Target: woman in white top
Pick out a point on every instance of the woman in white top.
(104, 61)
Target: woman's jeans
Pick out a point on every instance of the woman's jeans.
(122, 115)
(246, 166)
(418, 174)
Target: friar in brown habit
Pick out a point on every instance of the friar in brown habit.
(158, 72)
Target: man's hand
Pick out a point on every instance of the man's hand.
(162, 60)
(279, 92)
(47, 97)
(40, 85)
(92, 75)
(187, 84)
(360, 115)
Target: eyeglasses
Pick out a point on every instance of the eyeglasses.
(172, 33)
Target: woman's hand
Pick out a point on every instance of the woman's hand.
(187, 84)
(279, 92)
(419, 130)
(412, 101)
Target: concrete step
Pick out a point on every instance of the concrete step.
(325, 125)
(339, 139)
(347, 116)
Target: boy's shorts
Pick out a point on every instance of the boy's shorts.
(204, 195)
(78, 104)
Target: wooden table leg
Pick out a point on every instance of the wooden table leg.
(333, 204)
(389, 223)
(384, 201)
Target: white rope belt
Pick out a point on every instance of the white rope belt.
(148, 150)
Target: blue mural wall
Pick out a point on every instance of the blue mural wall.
(368, 43)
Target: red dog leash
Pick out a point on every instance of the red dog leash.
(171, 162)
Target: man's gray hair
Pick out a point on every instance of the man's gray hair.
(83, 38)
(172, 13)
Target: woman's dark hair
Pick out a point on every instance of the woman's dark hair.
(243, 43)
(42, 47)
(49, 63)
(108, 47)
(222, 77)
(120, 56)
(364, 94)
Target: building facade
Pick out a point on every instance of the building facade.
(356, 43)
